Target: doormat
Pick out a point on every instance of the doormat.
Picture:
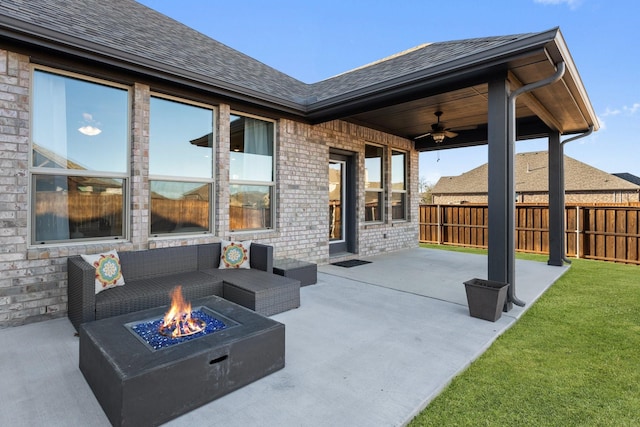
(350, 263)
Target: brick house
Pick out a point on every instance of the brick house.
(123, 129)
(583, 183)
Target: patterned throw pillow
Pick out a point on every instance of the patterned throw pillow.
(108, 271)
(235, 254)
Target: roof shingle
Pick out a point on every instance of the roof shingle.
(136, 31)
(532, 175)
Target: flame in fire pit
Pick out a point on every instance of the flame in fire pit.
(178, 321)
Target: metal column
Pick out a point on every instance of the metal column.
(556, 200)
(501, 197)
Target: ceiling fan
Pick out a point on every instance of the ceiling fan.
(438, 131)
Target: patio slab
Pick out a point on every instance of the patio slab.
(370, 345)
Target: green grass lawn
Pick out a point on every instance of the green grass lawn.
(573, 359)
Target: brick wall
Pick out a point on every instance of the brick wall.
(302, 176)
(33, 279)
(32, 287)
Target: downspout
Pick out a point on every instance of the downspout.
(511, 137)
(573, 138)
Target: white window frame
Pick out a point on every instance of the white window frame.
(271, 184)
(404, 190)
(380, 191)
(44, 171)
(185, 178)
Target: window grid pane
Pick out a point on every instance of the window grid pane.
(373, 167)
(179, 207)
(250, 207)
(398, 205)
(180, 140)
(398, 185)
(373, 206)
(79, 124)
(75, 207)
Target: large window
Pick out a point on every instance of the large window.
(79, 158)
(180, 167)
(398, 185)
(374, 183)
(251, 173)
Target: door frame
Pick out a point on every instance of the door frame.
(348, 243)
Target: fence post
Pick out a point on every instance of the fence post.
(439, 226)
(578, 232)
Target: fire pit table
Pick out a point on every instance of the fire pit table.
(140, 382)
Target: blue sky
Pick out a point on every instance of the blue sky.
(313, 40)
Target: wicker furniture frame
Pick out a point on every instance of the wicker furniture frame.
(151, 274)
(305, 272)
(268, 296)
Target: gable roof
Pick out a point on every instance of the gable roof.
(134, 32)
(532, 175)
(409, 64)
(131, 36)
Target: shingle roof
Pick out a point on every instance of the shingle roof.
(127, 29)
(628, 177)
(412, 61)
(532, 176)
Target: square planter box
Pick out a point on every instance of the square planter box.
(486, 298)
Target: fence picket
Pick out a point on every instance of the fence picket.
(609, 233)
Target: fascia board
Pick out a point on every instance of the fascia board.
(559, 50)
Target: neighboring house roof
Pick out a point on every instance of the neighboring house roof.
(532, 174)
(628, 177)
(131, 36)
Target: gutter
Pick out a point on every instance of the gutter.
(511, 138)
(582, 135)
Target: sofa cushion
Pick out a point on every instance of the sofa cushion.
(235, 254)
(208, 256)
(108, 270)
(159, 262)
(155, 291)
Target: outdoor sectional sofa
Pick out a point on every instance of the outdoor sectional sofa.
(151, 274)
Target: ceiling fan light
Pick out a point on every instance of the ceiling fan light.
(438, 137)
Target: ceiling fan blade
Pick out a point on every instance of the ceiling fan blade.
(422, 136)
(462, 128)
(450, 134)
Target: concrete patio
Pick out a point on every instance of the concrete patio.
(370, 345)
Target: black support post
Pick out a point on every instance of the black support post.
(556, 200)
(501, 197)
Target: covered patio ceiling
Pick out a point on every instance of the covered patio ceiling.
(460, 90)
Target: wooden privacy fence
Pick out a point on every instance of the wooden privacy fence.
(608, 233)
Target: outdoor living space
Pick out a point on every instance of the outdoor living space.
(369, 345)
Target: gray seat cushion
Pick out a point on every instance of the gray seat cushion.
(141, 294)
